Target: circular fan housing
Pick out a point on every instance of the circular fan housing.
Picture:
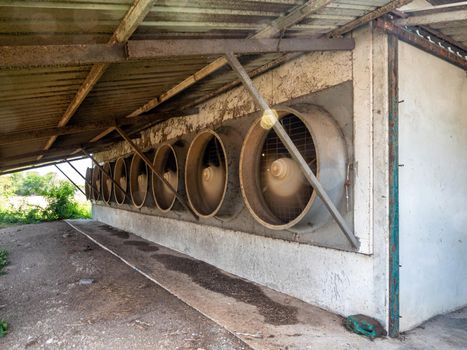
(273, 185)
(121, 177)
(96, 183)
(87, 186)
(206, 173)
(107, 182)
(166, 164)
(138, 181)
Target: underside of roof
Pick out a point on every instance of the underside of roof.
(77, 96)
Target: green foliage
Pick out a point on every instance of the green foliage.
(3, 263)
(28, 184)
(7, 187)
(59, 195)
(35, 184)
(3, 260)
(3, 328)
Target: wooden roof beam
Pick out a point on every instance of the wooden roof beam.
(15, 137)
(125, 29)
(277, 26)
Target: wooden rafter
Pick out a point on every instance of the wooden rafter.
(276, 27)
(125, 29)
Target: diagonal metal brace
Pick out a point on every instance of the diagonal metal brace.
(103, 170)
(74, 184)
(83, 177)
(153, 169)
(270, 118)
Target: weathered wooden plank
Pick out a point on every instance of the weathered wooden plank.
(280, 24)
(127, 26)
(13, 137)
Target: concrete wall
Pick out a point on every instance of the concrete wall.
(343, 282)
(433, 186)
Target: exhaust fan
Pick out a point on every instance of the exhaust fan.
(210, 175)
(121, 177)
(96, 183)
(87, 186)
(138, 181)
(106, 182)
(273, 186)
(166, 164)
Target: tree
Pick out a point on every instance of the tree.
(7, 187)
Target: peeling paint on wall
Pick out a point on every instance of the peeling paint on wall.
(306, 74)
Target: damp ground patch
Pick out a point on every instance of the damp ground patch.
(215, 280)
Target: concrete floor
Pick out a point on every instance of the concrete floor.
(47, 308)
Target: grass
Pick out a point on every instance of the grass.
(3, 260)
(59, 198)
(3, 263)
(3, 328)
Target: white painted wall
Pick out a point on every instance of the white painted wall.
(433, 186)
(343, 282)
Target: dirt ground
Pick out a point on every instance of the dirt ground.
(49, 303)
(47, 308)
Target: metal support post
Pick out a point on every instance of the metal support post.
(270, 120)
(79, 188)
(153, 169)
(103, 170)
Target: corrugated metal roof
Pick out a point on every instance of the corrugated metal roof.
(38, 97)
(59, 22)
(456, 30)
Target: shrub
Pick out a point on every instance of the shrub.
(59, 195)
(3, 328)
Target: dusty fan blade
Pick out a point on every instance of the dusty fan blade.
(165, 191)
(284, 178)
(123, 182)
(212, 185)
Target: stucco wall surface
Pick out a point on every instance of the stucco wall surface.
(433, 186)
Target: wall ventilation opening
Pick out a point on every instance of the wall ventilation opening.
(166, 164)
(139, 184)
(87, 186)
(273, 186)
(96, 183)
(107, 182)
(206, 173)
(121, 177)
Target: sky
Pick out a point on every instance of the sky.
(80, 165)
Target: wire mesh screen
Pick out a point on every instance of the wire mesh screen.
(287, 207)
(170, 163)
(213, 153)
